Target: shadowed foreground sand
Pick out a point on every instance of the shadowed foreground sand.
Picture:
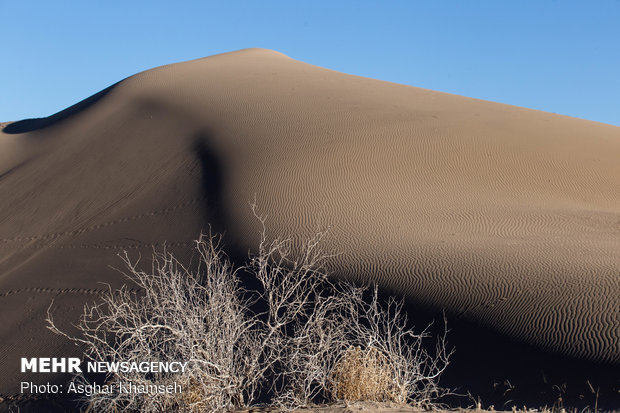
(352, 407)
(507, 218)
(384, 408)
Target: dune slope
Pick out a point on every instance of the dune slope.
(504, 216)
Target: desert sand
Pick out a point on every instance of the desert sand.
(505, 217)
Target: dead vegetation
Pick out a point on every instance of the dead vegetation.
(293, 340)
(363, 375)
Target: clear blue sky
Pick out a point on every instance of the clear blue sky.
(559, 56)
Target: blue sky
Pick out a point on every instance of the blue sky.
(559, 56)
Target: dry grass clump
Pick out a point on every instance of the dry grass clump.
(362, 375)
(293, 339)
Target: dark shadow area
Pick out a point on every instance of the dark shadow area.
(212, 176)
(498, 371)
(29, 125)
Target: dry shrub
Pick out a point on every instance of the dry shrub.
(196, 316)
(294, 340)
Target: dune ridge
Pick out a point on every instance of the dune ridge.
(504, 216)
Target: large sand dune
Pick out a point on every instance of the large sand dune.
(503, 216)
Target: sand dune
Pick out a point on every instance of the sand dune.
(504, 216)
